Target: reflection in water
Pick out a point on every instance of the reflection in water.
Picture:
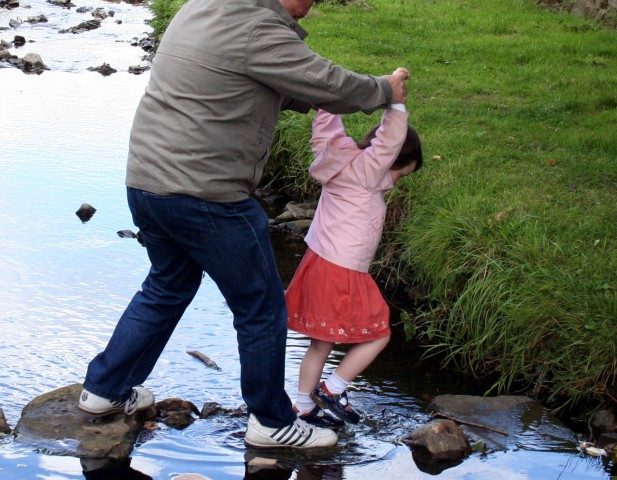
(259, 466)
(111, 470)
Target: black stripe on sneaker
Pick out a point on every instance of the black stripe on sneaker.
(293, 437)
(278, 435)
(306, 439)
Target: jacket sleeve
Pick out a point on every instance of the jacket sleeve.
(376, 159)
(278, 58)
(329, 143)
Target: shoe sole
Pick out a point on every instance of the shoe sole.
(278, 446)
(110, 411)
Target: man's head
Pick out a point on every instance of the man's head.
(297, 9)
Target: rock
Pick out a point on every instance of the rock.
(146, 44)
(100, 12)
(607, 439)
(9, 4)
(53, 422)
(62, 3)
(14, 22)
(297, 211)
(33, 62)
(170, 405)
(176, 413)
(296, 227)
(104, 69)
(209, 409)
(37, 19)
(504, 422)
(136, 69)
(83, 26)
(604, 421)
(19, 41)
(178, 420)
(85, 212)
(4, 425)
(6, 55)
(437, 444)
(126, 234)
(84, 9)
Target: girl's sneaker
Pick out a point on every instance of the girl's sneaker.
(336, 403)
(321, 418)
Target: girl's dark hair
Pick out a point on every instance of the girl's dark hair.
(410, 151)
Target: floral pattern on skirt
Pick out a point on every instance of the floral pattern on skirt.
(335, 304)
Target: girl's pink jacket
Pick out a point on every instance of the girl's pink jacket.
(349, 218)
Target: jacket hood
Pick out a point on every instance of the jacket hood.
(330, 161)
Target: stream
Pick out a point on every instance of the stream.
(64, 283)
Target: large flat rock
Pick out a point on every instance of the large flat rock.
(53, 423)
(506, 421)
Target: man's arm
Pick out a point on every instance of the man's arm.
(278, 58)
(296, 105)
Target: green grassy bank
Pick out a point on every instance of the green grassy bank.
(512, 224)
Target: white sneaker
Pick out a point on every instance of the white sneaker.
(140, 399)
(297, 435)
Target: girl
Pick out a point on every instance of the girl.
(332, 298)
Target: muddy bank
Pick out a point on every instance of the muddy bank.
(603, 10)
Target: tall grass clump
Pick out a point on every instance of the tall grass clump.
(164, 11)
(511, 226)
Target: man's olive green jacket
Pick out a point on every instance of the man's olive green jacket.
(223, 71)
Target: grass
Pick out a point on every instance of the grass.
(512, 225)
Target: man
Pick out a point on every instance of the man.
(199, 141)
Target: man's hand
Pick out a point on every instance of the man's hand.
(397, 82)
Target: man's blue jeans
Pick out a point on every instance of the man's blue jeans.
(185, 236)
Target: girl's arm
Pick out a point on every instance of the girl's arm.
(327, 127)
(377, 159)
(330, 145)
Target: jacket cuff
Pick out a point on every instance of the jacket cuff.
(387, 89)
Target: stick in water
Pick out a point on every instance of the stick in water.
(204, 358)
(472, 424)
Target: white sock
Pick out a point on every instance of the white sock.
(336, 384)
(304, 404)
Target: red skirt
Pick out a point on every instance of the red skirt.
(335, 304)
